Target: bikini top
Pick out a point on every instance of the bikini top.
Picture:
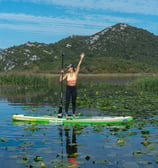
(71, 79)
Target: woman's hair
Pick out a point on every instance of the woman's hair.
(71, 66)
(74, 69)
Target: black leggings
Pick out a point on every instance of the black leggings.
(71, 92)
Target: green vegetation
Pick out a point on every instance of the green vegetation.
(119, 48)
(147, 84)
(117, 98)
(115, 65)
(22, 79)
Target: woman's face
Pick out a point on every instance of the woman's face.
(70, 69)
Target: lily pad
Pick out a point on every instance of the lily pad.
(121, 142)
(38, 158)
(3, 140)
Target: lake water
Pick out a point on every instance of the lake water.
(133, 145)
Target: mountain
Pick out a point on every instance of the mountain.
(1, 51)
(119, 48)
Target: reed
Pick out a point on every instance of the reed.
(147, 83)
(22, 79)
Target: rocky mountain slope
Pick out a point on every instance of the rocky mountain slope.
(119, 48)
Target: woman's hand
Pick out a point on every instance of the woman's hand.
(82, 55)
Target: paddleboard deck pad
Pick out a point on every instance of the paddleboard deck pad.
(72, 120)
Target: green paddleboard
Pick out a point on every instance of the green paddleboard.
(72, 120)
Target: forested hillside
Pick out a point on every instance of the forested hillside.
(119, 48)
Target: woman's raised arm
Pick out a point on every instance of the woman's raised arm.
(78, 66)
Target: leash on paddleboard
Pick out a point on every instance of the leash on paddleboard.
(60, 114)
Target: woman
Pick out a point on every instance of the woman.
(71, 90)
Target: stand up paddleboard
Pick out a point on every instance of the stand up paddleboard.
(72, 120)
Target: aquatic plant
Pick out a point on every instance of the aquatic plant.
(146, 84)
(23, 79)
(3, 139)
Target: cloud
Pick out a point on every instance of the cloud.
(126, 6)
(41, 24)
(58, 25)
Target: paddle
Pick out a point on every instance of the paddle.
(61, 88)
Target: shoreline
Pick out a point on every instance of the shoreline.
(85, 74)
(110, 74)
(118, 74)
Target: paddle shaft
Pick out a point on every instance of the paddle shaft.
(61, 87)
(62, 74)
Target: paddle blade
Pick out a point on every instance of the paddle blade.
(60, 111)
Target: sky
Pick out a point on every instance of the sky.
(48, 21)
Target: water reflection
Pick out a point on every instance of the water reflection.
(30, 95)
(50, 94)
(69, 134)
(71, 146)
